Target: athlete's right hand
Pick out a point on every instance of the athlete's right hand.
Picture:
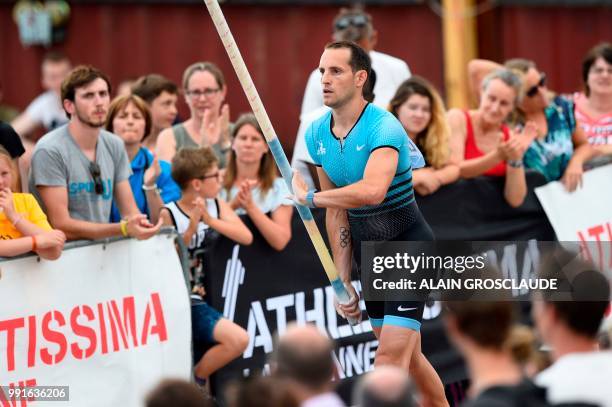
(351, 309)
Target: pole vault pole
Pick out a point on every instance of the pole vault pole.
(275, 147)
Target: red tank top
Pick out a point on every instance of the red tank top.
(472, 150)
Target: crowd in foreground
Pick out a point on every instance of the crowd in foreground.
(125, 168)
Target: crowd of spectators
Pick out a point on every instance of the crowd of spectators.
(126, 167)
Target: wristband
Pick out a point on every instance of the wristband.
(33, 243)
(310, 198)
(151, 188)
(515, 163)
(123, 225)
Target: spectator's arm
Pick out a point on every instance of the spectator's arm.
(515, 187)
(24, 124)
(477, 70)
(447, 174)
(124, 197)
(166, 145)
(276, 229)
(56, 202)
(230, 225)
(154, 203)
(572, 177)
(603, 149)
(15, 247)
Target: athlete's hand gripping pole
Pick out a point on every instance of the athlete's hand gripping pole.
(275, 147)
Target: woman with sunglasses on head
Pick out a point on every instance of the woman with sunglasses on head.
(420, 109)
(252, 185)
(593, 108)
(205, 90)
(484, 145)
(151, 182)
(23, 225)
(560, 148)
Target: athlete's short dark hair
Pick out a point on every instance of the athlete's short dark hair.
(359, 60)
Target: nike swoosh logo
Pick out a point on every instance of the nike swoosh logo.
(400, 308)
(359, 148)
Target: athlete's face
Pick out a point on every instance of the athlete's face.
(340, 84)
(90, 104)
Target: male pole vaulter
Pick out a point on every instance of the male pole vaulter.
(365, 171)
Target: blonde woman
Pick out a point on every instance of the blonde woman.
(420, 109)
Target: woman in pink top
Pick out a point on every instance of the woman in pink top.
(593, 108)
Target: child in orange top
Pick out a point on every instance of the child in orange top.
(23, 225)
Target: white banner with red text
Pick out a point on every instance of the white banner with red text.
(106, 320)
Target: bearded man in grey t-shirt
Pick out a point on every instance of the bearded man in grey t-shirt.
(79, 168)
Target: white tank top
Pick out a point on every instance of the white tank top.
(181, 222)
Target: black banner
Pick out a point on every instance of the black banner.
(262, 290)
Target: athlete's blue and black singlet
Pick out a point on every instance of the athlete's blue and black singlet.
(397, 217)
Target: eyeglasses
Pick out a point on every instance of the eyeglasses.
(600, 70)
(358, 20)
(94, 169)
(532, 91)
(197, 93)
(216, 175)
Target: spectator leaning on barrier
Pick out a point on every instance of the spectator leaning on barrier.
(420, 109)
(579, 373)
(23, 225)
(161, 96)
(79, 168)
(252, 186)
(560, 148)
(593, 108)
(205, 91)
(304, 356)
(197, 217)
(151, 182)
(350, 24)
(484, 145)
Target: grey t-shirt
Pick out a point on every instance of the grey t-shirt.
(58, 161)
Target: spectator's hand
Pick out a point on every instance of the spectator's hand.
(51, 239)
(513, 149)
(300, 188)
(572, 178)
(139, 227)
(196, 212)
(152, 173)
(350, 309)
(428, 183)
(528, 134)
(224, 124)
(200, 204)
(199, 289)
(6, 204)
(245, 194)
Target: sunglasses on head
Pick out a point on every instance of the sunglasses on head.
(532, 91)
(94, 170)
(358, 20)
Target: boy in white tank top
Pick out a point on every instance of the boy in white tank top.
(197, 216)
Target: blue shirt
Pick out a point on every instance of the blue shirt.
(345, 163)
(170, 191)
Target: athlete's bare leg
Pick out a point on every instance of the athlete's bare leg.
(402, 347)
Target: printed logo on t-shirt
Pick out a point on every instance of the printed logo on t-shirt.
(80, 188)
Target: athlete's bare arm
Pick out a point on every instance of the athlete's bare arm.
(371, 190)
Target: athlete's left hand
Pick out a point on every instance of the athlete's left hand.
(300, 188)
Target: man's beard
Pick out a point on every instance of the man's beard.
(85, 120)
